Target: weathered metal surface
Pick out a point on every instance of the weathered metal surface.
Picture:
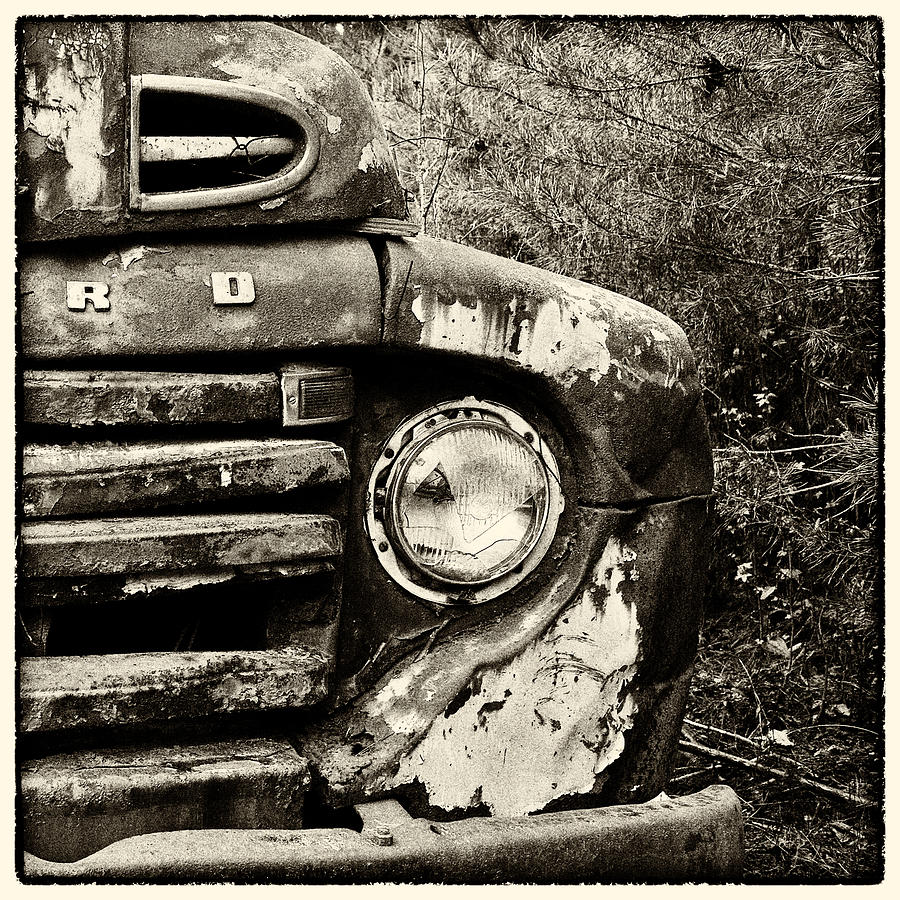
(670, 839)
(71, 149)
(75, 804)
(316, 395)
(355, 175)
(107, 691)
(84, 547)
(85, 479)
(75, 398)
(54, 592)
(202, 186)
(621, 374)
(318, 292)
(73, 136)
(540, 702)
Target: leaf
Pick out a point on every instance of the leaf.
(766, 592)
(778, 647)
(776, 736)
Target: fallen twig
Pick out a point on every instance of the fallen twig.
(692, 774)
(701, 750)
(723, 732)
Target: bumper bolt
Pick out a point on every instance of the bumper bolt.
(382, 836)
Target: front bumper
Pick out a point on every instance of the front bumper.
(698, 837)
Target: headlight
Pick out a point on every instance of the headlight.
(463, 502)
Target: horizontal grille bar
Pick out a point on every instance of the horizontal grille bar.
(65, 692)
(47, 593)
(76, 803)
(124, 546)
(81, 399)
(85, 479)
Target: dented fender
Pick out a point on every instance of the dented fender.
(576, 692)
(575, 695)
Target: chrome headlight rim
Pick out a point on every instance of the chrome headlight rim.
(388, 472)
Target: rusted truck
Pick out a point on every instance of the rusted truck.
(345, 554)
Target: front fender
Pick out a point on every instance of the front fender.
(621, 374)
(574, 694)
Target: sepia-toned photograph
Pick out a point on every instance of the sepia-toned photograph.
(450, 450)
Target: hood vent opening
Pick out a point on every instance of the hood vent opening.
(199, 143)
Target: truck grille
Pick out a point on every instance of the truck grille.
(168, 576)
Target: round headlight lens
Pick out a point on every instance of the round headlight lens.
(468, 503)
(463, 502)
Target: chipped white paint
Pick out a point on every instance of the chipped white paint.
(225, 475)
(367, 157)
(549, 722)
(124, 258)
(416, 308)
(248, 72)
(634, 375)
(274, 203)
(136, 253)
(560, 338)
(67, 112)
(659, 335)
(398, 702)
(333, 124)
(383, 703)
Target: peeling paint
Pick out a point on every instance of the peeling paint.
(66, 108)
(557, 337)
(367, 157)
(549, 722)
(630, 373)
(274, 203)
(333, 124)
(124, 258)
(248, 72)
